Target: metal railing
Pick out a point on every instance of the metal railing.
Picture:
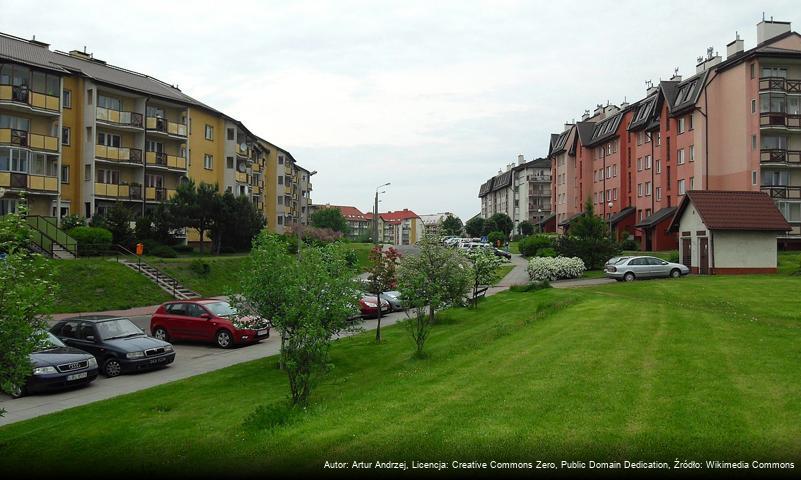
(782, 192)
(780, 83)
(47, 235)
(779, 155)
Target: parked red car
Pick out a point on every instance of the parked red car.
(207, 321)
(368, 306)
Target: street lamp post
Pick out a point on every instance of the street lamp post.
(539, 220)
(610, 205)
(375, 214)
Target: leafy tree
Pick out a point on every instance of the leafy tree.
(489, 226)
(526, 228)
(118, 222)
(69, 222)
(475, 226)
(26, 292)
(588, 238)
(435, 278)
(452, 225)
(196, 206)
(484, 269)
(308, 300)
(382, 276)
(330, 218)
(496, 238)
(530, 245)
(237, 222)
(503, 222)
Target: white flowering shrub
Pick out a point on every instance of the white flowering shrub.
(555, 268)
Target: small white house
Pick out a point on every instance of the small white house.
(728, 232)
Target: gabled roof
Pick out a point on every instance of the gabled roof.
(687, 93)
(584, 131)
(733, 210)
(645, 111)
(559, 142)
(621, 215)
(536, 163)
(397, 216)
(566, 222)
(547, 219)
(486, 187)
(502, 181)
(656, 218)
(605, 129)
(350, 213)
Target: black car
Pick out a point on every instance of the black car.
(502, 253)
(57, 366)
(117, 344)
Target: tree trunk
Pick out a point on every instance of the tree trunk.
(201, 231)
(378, 326)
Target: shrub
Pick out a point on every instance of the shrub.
(629, 244)
(495, 237)
(593, 251)
(351, 258)
(183, 248)
(71, 221)
(558, 268)
(674, 256)
(530, 287)
(200, 267)
(163, 251)
(533, 243)
(546, 252)
(91, 240)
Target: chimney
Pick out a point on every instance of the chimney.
(79, 54)
(521, 159)
(598, 110)
(34, 41)
(767, 29)
(735, 47)
(624, 105)
(500, 171)
(676, 77)
(650, 88)
(586, 116)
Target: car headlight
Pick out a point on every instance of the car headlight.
(44, 370)
(168, 348)
(134, 355)
(92, 363)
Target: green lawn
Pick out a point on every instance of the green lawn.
(362, 253)
(514, 247)
(96, 284)
(224, 275)
(699, 367)
(503, 270)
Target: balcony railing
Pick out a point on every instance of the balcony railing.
(118, 192)
(779, 119)
(242, 151)
(25, 181)
(21, 94)
(118, 117)
(241, 177)
(158, 194)
(776, 155)
(782, 191)
(132, 155)
(22, 138)
(159, 124)
(780, 83)
(161, 159)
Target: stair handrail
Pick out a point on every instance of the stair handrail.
(159, 275)
(48, 227)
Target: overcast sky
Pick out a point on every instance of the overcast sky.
(432, 96)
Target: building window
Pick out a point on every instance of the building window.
(110, 103)
(659, 193)
(639, 164)
(209, 132)
(280, 159)
(692, 183)
(280, 219)
(682, 188)
(659, 166)
(647, 189)
(753, 105)
(690, 120)
(680, 156)
(753, 69)
(208, 161)
(65, 135)
(681, 125)
(639, 189)
(66, 98)
(87, 173)
(108, 139)
(692, 153)
(280, 179)
(230, 134)
(753, 177)
(65, 174)
(229, 162)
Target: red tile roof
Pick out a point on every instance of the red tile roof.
(399, 215)
(733, 210)
(351, 213)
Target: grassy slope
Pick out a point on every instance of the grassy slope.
(224, 275)
(689, 368)
(95, 284)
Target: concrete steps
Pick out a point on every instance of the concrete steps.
(167, 283)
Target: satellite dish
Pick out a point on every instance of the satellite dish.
(243, 146)
(241, 166)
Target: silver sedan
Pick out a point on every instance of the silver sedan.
(631, 268)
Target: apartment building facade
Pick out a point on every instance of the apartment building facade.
(401, 227)
(358, 223)
(78, 135)
(433, 221)
(523, 191)
(733, 125)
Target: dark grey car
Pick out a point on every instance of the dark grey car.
(633, 268)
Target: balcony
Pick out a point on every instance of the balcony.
(255, 190)
(161, 159)
(776, 155)
(256, 167)
(24, 96)
(24, 181)
(34, 141)
(242, 152)
(782, 192)
(162, 125)
(241, 177)
(118, 118)
(114, 154)
(780, 83)
(158, 194)
(118, 192)
(779, 119)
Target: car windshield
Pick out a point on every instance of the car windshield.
(220, 309)
(50, 342)
(119, 328)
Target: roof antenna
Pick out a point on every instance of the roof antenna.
(763, 15)
(84, 49)
(676, 72)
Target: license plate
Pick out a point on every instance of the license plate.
(263, 332)
(157, 360)
(76, 376)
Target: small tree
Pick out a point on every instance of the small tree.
(475, 227)
(452, 225)
(525, 228)
(196, 206)
(496, 238)
(382, 276)
(330, 218)
(588, 238)
(484, 269)
(504, 223)
(308, 300)
(489, 226)
(435, 278)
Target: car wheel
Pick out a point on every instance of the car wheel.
(224, 339)
(17, 391)
(161, 334)
(675, 273)
(629, 277)
(112, 367)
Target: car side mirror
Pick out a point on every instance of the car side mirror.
(205, 316)
(664, 263)
(90, 338)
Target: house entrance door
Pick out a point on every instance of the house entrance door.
(703, 256)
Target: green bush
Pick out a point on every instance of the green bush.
(495, 237)
(546, 252)
(163, 251)
(530, 245)
(71, 221)
(91, 240)
(674, 256)
(629, 244)
(351, 257)
(200, 267)
(530, 287)
(183, 248)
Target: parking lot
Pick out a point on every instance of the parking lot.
(190, 359)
